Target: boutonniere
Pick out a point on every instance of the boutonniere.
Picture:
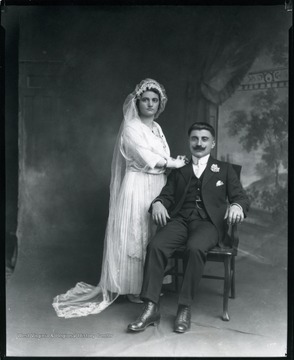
(219, 183)
(214, 168)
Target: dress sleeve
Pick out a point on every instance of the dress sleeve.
(135, 147)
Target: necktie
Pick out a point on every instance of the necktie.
(197, 169)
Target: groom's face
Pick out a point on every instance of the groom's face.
(201, 142)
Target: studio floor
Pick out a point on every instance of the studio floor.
(258, 314)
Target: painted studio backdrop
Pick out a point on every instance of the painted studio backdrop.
(68, 71)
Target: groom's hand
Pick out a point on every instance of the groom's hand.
(234, 214)
(159, 214)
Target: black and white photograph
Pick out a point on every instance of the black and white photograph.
(146, 179)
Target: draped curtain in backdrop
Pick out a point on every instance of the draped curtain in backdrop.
(239, 35)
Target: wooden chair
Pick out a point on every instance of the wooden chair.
(224, 255)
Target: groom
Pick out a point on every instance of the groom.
(191, 210)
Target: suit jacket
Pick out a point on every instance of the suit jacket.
(220, 185)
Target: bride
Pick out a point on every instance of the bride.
(141, 156)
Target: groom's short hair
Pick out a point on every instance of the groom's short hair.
(201, 126)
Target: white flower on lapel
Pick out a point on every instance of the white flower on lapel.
(214, 168)
(219, 183)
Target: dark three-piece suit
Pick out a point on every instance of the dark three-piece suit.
(197, 208)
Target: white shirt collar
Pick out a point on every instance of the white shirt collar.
(201, 161)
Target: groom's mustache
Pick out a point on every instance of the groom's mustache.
(198, 148)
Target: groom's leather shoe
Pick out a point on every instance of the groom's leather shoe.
(183, 319)
(149, 316)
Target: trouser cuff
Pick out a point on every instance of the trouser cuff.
(149, 298)
(185, 301)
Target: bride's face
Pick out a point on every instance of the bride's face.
(148, 104)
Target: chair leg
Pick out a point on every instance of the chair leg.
(227, 283)
(176, 274)
(233, 289)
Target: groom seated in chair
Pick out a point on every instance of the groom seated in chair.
(192, 210)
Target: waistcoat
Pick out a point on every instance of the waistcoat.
(193, 205)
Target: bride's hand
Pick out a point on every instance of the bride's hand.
(176, 163)
(184, 157)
